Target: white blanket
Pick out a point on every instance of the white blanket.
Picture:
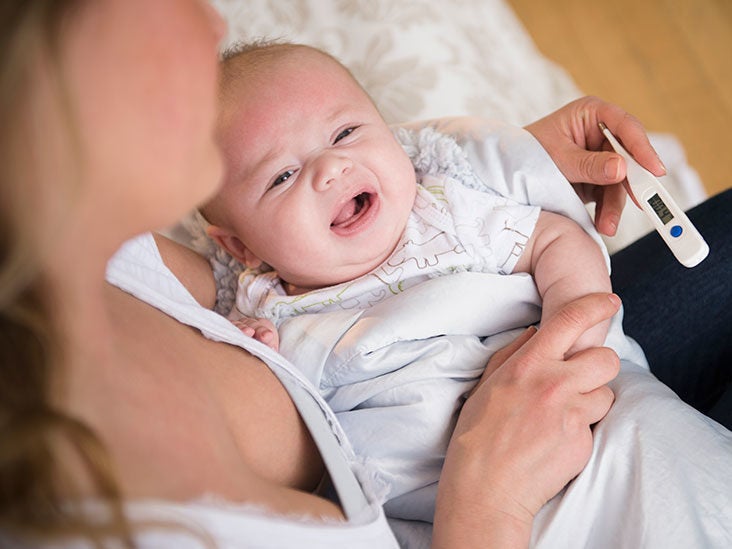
(395, 373)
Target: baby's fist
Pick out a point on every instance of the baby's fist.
(261, 329)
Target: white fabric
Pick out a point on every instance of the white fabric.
(138, 269)
(394, 375)
(451, 229)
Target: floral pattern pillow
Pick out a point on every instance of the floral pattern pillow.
(419, 58)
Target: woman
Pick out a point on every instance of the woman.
(120, 421)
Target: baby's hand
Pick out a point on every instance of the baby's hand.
(261, 329)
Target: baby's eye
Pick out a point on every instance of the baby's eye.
(284, 176)
(345, 133)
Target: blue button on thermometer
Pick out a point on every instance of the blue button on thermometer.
(687, 245)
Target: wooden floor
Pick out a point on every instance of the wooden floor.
(669, 62)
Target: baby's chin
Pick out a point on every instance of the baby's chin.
(362, 259)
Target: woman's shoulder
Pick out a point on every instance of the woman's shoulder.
(191, 269)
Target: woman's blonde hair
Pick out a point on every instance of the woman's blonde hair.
(36, 496)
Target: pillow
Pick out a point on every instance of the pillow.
(420, 58)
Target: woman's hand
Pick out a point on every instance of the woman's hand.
(524, 432)
(573, 139)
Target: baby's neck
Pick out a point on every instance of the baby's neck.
(291, 289)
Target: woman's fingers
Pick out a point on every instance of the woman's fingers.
(609, 204)
(559, 333)
(573, 139)
(500, 356)
(590, 111)
(597, 404)
(632, 135)
(592, 368)
(597, 167)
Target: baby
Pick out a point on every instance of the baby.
(323, 206)
(319, 190)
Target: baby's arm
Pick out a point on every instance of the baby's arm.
(260, 329)
(567, 264)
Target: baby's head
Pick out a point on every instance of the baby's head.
(316, 185)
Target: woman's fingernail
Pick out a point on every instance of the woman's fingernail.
(615, 299)
(612, 169)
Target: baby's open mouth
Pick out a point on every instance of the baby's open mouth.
(352, 211)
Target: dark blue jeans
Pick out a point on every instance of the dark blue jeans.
(683, 317)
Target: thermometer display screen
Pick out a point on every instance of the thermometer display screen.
(660, 208)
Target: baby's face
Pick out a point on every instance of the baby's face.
(316, 186)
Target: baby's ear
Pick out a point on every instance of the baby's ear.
(233, 245)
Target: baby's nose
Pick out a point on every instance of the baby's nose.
(330, 169)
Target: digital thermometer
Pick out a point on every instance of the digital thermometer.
(668, 219)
